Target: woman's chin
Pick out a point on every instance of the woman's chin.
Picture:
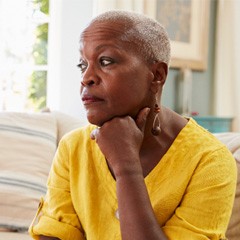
(96, 120)
(99, 119)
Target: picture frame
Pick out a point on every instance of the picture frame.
(191, 19)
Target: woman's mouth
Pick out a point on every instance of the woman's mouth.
(89, 99)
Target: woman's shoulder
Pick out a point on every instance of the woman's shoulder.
(199, 143)
(207, 153)
(197, 136)
(78, 135)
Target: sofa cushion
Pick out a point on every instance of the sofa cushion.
(232, 141)
(67, 123)
(27, 146)
(14, 235)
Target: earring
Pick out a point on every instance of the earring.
(156, 129)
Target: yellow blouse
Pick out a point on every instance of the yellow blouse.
(191, 190)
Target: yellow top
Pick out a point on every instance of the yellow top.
(191, 190)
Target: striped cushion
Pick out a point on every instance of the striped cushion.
(27, 146)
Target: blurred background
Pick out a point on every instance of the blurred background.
(39, 53)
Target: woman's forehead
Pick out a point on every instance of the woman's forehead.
(108, 29)
(114, 32)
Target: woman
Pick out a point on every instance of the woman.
(144, 172)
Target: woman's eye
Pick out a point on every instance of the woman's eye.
(105, 62)
(82, 66)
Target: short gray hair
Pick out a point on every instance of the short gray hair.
(149, 35)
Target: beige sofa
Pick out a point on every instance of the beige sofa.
(27, 146)
(23, 176)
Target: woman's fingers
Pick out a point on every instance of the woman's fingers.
(142, 118)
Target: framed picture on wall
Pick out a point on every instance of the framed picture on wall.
(187, 22)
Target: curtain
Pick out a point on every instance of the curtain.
(227, 62)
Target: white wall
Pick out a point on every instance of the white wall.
(67, 19)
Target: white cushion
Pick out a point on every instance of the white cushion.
(27, 146)
(14, 236)
(67, 123)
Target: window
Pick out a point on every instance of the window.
(23, 59)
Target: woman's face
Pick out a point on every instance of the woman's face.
(115, 78)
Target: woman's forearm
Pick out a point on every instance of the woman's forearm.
(137, 219)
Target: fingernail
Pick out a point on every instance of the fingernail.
(147, 111)
(94, 133)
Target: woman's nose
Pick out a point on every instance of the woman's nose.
(87, 82)
(90, 77)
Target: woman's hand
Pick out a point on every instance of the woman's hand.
(120, 140)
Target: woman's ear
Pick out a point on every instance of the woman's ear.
(160, 71)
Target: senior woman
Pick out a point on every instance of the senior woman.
(139, 170)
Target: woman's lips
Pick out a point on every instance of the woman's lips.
(89, 99)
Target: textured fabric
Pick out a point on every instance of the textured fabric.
(232, 141)
(14, 236)
(27, 147)
(191, 190)
(66, 123)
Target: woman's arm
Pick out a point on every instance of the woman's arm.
(136, 215)
(137, 219)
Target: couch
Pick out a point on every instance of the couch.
(28, 142)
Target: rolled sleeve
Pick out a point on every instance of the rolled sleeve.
(53, 228)
(56, 216)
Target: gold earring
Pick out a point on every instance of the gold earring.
(156, 128)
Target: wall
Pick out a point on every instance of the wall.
(68, 18)
(202, 89)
